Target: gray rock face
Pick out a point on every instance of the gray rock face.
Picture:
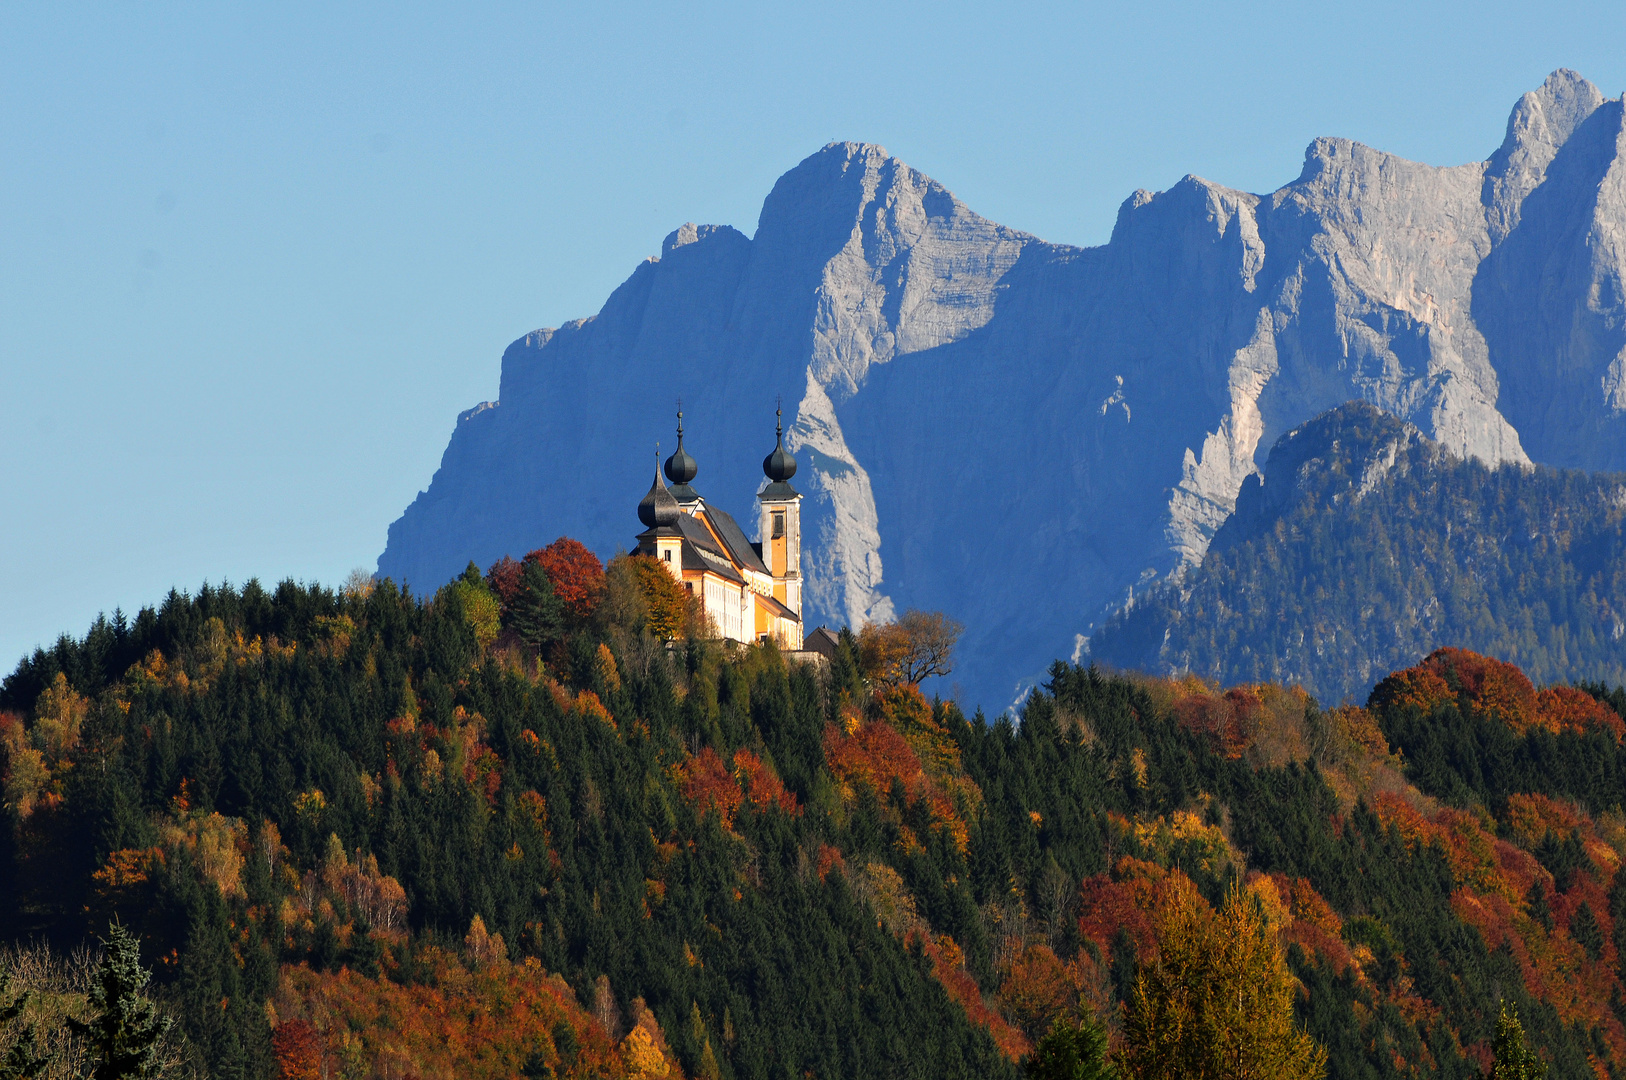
(1018, 432)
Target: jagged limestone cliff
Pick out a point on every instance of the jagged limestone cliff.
(1020, 432)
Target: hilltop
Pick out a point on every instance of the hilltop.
(485, 835)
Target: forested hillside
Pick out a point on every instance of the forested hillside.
(1366, 546)
(511, 831)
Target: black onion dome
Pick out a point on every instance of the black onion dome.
(779, 466)
(658, 510)
(680, 467)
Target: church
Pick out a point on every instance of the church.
(750, 591)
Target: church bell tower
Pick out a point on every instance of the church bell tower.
(781, 509)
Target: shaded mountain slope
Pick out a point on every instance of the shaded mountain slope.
(1366, 546)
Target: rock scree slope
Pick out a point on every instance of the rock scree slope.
(1020, 433)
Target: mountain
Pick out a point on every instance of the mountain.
(1366, 545)
(1019, 432)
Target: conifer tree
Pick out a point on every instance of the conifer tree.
(125, 1034)
(535, 613)
(22, 1060)
(1073, 1049)
(1514, 1060)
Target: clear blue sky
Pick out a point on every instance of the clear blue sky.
(254, 262)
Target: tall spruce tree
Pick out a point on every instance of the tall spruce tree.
(536, 612)
(125, 1035)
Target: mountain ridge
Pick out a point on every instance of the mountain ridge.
(1367, 545)
(969, 399)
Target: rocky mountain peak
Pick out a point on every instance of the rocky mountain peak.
(1542, 121)
(1120, 397)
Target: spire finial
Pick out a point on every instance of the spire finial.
(779, 466)
(680, 467)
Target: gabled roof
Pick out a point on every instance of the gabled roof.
(734, 538)
(821, 640)
(701, 551)
(697, 558)
(700, 536)
(777, 608)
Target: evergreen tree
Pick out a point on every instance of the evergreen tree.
(124, 1036)
(1514, 1060)
(1587, 933)
(1073, 1049)
(22, 1060)
(535, 613)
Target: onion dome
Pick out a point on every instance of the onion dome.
(658, 509)
(779, 466)
(681, 468)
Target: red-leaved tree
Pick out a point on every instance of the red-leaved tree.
(576, 573)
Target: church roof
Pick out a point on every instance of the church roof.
(701, 551)
(777, 608)
(698, 558)
(779, 466)
(658, 509)
(734, 538)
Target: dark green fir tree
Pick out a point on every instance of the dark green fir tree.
(125, 1035)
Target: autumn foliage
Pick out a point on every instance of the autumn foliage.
(483, 1017)
(712, 786)
(666, 604)
(576, 573)
(1497, 691)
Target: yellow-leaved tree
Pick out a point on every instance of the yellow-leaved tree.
(1217, 1003)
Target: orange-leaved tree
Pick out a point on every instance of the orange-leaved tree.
(916, 647)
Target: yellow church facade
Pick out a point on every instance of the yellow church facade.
(751, 591)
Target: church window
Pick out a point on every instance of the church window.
(667, 555)
(778, 524)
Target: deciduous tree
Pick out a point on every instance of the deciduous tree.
(916, 647)
(665, 602)
(1218, 1000)
(1514, 1060)
(576, 573)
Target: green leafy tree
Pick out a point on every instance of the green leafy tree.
(482, 610)
(128, 1028)
(1073, 1049)
(1514, 1060)
(1218, 1002)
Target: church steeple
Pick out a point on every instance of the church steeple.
(661, 538)
(658, 509)
(681, 468)
(781, 509)
(779, 466)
